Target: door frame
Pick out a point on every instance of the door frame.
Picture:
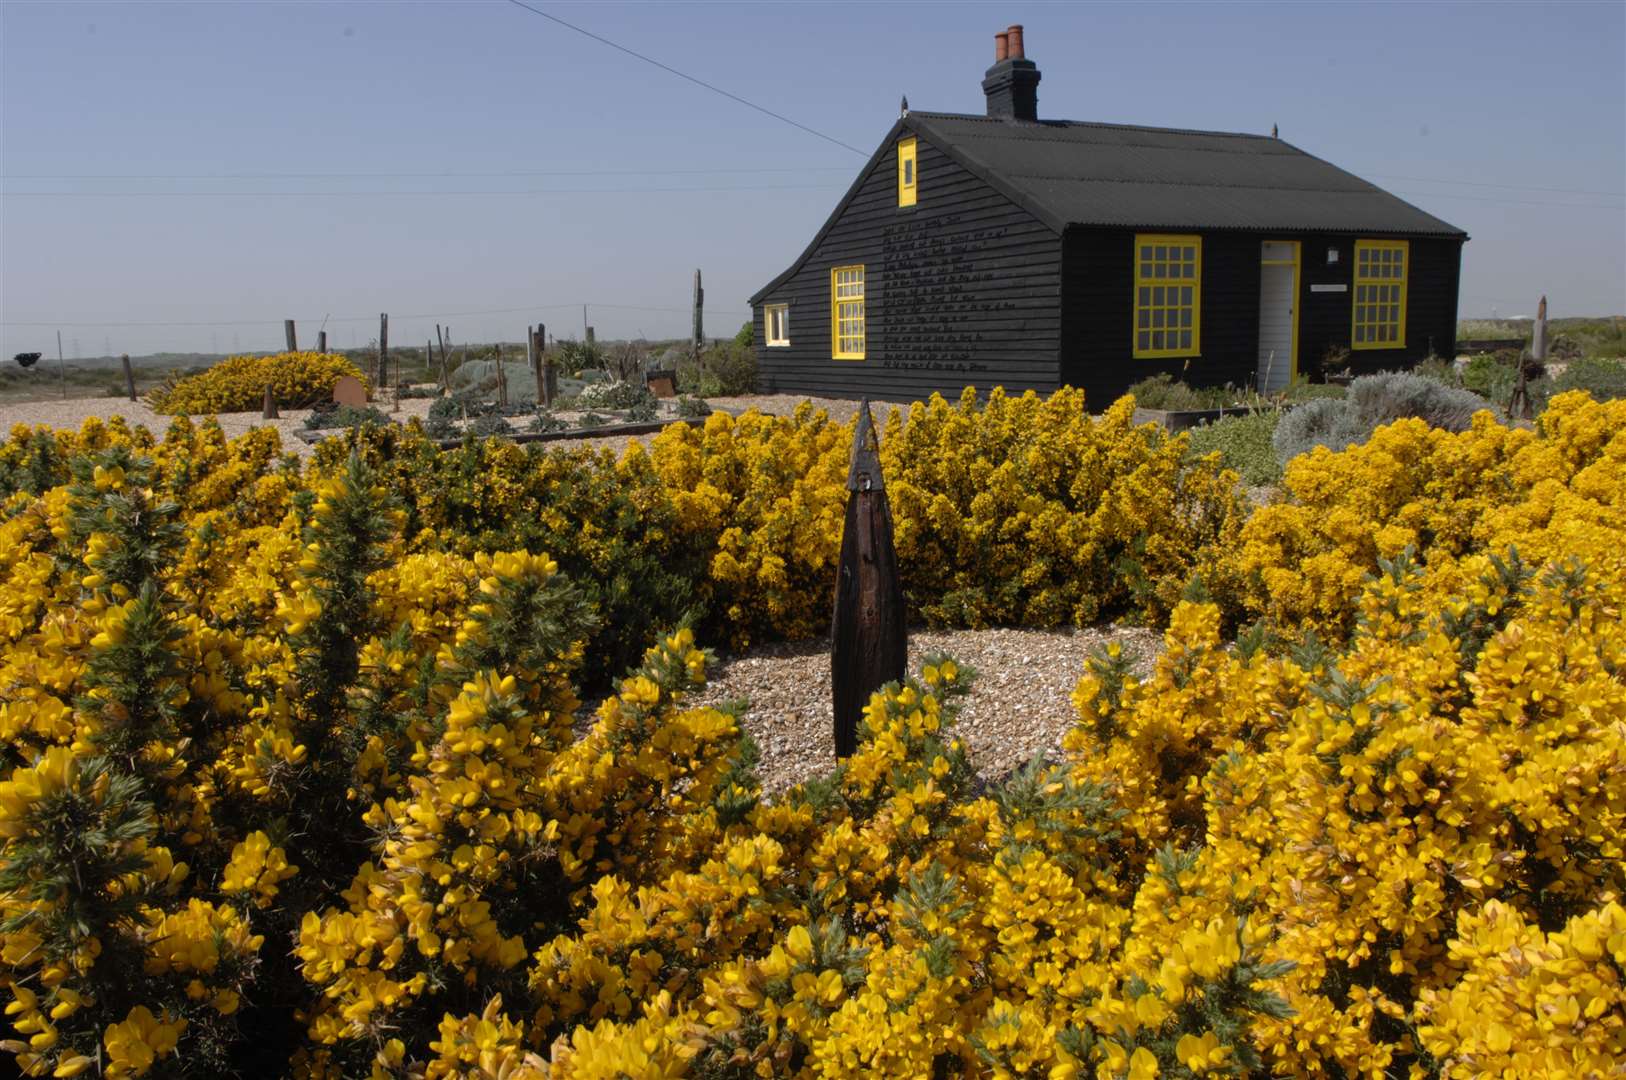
(1298, 271)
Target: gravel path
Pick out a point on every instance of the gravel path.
(72, 412)
(1019, 702)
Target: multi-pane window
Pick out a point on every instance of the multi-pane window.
(847, 312)
(776, 323)
(907, 175)
(1380, 294)
(1168, 295)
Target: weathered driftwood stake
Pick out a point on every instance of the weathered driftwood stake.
(445, 375)
(268, 408)
(289, 336)
(321, 341)
(1519, 405)
(869, 645)
(129, 375)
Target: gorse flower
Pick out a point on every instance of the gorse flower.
(297, 779)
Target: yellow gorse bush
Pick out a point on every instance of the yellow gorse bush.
(238, 383)
(296, 779)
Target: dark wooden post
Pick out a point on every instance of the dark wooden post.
(699, 334)
(445, 376)
(268, 408)
(502, 379)
(549, 388)
(589, 335)
(129, 375)
(288, 333)
(321, 341)
(382, 371)
(869, 644)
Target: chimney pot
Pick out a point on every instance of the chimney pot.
(1014, 37)
(1000, 48)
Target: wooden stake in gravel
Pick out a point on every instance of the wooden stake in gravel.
(129, 375)
(868, 641)
(268, 409)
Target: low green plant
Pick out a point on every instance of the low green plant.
(1164, 391)
(692, 408)
(344, 416)
(1605, 380)
(592, 419)
(646, 410)
(544, 421)
(614, 395)
(1244, 444)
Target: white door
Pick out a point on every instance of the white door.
(1278, 293)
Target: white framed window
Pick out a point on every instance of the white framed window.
(776, 324)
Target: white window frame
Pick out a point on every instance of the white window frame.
(783, 338)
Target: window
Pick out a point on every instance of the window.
(1168, 295)
(847, 312)
(776, 323)
(907, 174)
(1380, 294)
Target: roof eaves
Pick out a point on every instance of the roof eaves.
(835, 215)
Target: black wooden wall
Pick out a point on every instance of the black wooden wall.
(961, 289)
(1098, 309)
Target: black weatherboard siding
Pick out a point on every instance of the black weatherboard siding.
(961, 289)
(1015, 267)
(1098, 309)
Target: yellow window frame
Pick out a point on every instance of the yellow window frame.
(908, 171)
(847, 337)
(769, 312)
(1168, 296)
(1377, 310)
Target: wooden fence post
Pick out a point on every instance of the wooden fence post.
(268, 408)
(502, 380)
(869, 644)
(288, 333)
(129, 375)
(380, 373)
(445, 376)
(321, 341)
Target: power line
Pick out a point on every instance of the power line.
(1507, 202)
(690, 78)
(448, 175)
(370, 194)
(371, 318)
(1514, 187)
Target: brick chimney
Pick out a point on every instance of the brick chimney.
(1012, 84)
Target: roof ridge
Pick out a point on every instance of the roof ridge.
(1029, 124)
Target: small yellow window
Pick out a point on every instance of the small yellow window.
(908, 175)
(847, 312)
(1379, 318)
(1168, 295)
(776, 323)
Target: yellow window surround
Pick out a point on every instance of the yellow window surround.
(908, 171)
(847, 312)
(1378, 314)
(1168, 296)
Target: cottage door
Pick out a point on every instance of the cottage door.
(1278, 314)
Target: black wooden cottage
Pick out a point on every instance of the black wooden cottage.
(1004, 250)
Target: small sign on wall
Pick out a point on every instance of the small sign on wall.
(1329, 288)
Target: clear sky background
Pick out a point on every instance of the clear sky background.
(239, 163)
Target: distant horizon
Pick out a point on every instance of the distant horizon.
(212, 169)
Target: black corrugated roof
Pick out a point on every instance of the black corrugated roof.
(1075, 173)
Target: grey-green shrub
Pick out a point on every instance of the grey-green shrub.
(1373, 400)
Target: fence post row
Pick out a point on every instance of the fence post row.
(868, 641)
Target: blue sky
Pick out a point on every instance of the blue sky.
(163, 136)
